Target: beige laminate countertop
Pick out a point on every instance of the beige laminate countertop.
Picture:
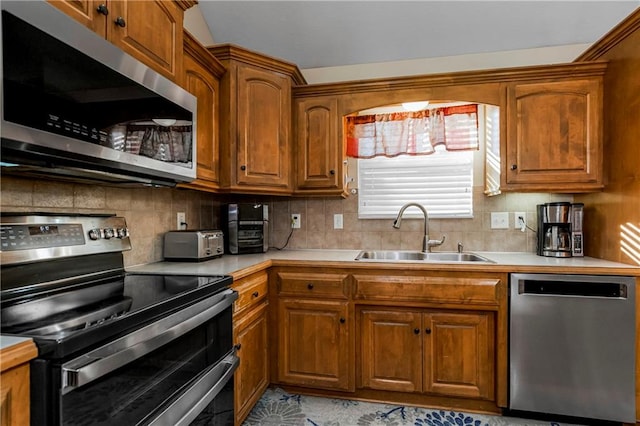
(242, 265)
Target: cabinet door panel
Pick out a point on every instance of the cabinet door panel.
(391, 348)
(85, 12)
(319, 157)
(554, 133)
(459, 354)
(264, 118)
(204, 86)
(252, 376)
(314, 344)
(152, 33)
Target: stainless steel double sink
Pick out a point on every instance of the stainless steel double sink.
(419, 256)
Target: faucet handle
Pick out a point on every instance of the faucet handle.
(460, 247)
(433, 243)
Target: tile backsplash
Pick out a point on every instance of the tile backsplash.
(151, 212)
(475, 234)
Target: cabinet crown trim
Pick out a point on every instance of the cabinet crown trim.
(499, 75)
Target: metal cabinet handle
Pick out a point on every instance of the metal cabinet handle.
(514, 166)
(342, 320)
(120, 22)
(243, 167)
(428, 331)
(310, 286)
(107, 358)
(332, 172)
(103, 9)
(255, 294)
(416, 331)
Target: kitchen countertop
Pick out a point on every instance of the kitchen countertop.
(16, 351)
(242, 265)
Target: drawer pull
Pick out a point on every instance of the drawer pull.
(255, 294)
(342, 320)
(310, 286)
(238, 346)
(416, 331)
(120, 22)
(428, 331)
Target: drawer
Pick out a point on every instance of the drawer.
(251, 291)
(440, 289)
(309, 284)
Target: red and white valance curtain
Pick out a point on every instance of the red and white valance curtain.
(413, 133)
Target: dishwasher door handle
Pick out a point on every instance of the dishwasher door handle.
(600, 290)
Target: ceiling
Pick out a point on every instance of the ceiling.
(314, 34)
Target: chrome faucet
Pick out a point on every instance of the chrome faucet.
(426, 242)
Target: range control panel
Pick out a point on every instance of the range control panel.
(26, 238)
(20, 237)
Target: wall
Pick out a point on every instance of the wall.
(150, 212)
(476, 234)
(471, 62)
(615, 212)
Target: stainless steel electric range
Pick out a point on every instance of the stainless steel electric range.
(113, 348)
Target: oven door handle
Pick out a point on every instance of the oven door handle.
(193, 400)
(107, 358)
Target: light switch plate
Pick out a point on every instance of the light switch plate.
(499, 220)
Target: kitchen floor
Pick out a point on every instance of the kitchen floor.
(278, 408)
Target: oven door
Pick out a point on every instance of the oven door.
(176, 371)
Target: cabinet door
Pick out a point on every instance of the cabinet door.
(149, 30)
(86, 12)
(264, 119)
(14, 396)
(202, 84)
(554, 135)
(319, 157)
(313, 344)
(391, 350)
(459, 354)
(252, 377)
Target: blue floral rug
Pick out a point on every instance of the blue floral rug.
(278, 408)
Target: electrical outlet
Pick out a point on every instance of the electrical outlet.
(295, 220)
(499, 220)
(519, 220)
(337, 221)
(181, 221)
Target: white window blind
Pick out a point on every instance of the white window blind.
(442, 182)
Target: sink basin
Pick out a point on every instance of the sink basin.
(418, 256)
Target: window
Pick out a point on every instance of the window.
(442, 182)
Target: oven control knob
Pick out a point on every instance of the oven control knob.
(95, 234)
(109, 233)
(122, 232)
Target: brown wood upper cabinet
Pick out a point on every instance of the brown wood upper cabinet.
(255, 128)
(151, 31)
(202, 73)
(554, 135)
(319, 151)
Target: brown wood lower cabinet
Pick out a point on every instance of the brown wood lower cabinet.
(250, 335)
(252, 375)
(313, 344)
(446, 353)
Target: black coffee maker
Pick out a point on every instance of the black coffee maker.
(554, 229)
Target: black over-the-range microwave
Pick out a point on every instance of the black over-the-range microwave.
(77, 107)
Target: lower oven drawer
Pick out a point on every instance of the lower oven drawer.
(181, 374)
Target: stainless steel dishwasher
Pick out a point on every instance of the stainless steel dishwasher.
(572, 345)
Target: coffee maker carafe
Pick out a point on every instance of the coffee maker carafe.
(554, 229)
